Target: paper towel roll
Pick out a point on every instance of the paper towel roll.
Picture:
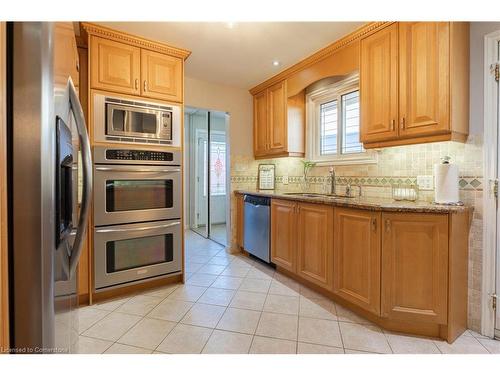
(446, 183)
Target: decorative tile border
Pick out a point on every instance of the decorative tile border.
(465, 182)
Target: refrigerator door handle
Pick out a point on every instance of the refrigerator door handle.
(81, 229)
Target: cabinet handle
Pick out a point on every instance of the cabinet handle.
(136, 83)
(387, 225)
(393, 124)
(403, 123)
(145, 86)
(374, 224)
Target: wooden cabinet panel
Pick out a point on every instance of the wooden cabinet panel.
(357, 257)
(277, 122)
(415, 267)
(283, 234)
(240, 206)
(161, 76)
(114, 66)
(66, 54)
(424, 83)
(315, 244)
(260, 132)
(379, 85)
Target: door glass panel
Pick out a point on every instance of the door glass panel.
(128, 195)
(138, 252)
(217, 138)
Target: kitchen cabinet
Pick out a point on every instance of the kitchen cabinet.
(240, 215)
(415, 267)
(283, 234)
(114, 66)
(67, 62)
(119, 63)
(302, 240)
(414, 84)
(379, 85)
(315, 243)
(279, 122)
(161, 76)
(356, 257)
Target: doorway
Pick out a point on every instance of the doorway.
(207, 177)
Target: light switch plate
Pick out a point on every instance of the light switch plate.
(425, 182)
(285, 180)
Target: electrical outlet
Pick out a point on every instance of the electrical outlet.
(285, 180)
(425, 182)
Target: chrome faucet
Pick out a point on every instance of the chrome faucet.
(348, 190)
(333, 182)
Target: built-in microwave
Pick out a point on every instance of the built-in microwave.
(131, 121)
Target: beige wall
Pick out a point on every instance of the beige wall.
(237, 102)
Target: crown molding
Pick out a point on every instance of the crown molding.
(357, 34)
(118, 36)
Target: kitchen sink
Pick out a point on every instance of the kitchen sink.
(320, 195)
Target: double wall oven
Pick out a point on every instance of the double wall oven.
(137, 214)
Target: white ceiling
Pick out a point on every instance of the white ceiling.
(241, 56)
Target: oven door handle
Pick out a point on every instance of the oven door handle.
(139, 229)
(136, 170)
(81, 127)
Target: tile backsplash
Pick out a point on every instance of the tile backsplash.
(395, 165)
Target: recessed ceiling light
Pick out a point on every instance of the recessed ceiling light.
(230, 25)
(276, 63)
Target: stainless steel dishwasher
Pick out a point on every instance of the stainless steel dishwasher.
(257, 226)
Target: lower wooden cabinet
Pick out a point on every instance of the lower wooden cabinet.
(284, 234)
(356, 261)
(415, 267)
(315, 244)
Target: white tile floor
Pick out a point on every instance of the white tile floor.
(232, 304)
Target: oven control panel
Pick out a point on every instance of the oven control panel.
(138, 155)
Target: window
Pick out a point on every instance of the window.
(333, 125)
(217, 168)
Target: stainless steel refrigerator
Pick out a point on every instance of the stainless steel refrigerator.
(47, 214)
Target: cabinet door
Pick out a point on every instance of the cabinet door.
(276, 97)
(240, 204)
(283, 234)
(357, 257)
(315, 244)
(114, 66)
(423, 78)
(161, 76)
(260, 133)
(65, 54)
(415, 267)
(379, 85)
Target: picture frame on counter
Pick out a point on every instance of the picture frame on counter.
(267, 173)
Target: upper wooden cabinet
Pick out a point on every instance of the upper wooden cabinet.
(415, 267)
(161, 76)
(357, 257)
(415, 84)
(127, 64)
(379, 85)
(279, 122)
(66, 62)
(115, 66)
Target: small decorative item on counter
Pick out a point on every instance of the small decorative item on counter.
(405, 192)
(446, 182)
(266, 176)
(307, 167)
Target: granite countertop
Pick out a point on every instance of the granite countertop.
(375, 204)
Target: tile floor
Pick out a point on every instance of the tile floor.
(232, 304)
